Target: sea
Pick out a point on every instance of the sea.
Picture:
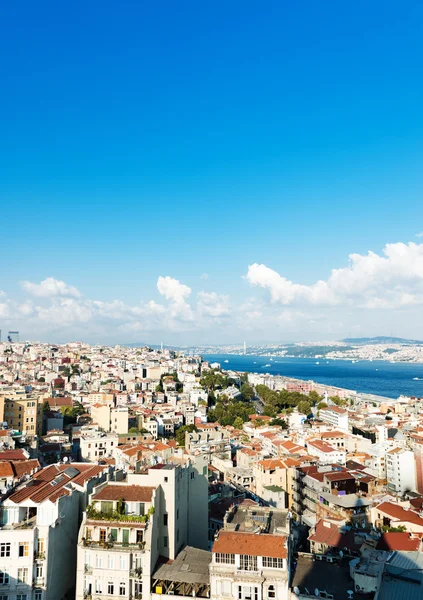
(382, 378)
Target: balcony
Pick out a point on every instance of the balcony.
(39, 580)
(88, 569)
(114, 546)
(137, 572)
(39, 555)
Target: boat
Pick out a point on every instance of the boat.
(226, 361)
(267, 365)
(317, 362)
(417, 378)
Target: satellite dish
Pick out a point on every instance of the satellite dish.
(296, 590)
(65, 459)
(316, 592)
(341, 554)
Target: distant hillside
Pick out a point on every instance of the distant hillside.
(381, 339)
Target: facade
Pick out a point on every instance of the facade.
(335, 416)
(251, 556)
(95, 445)
(130, 525)
(400, 471)
(22, 412)
(38, 533)
(109, 418)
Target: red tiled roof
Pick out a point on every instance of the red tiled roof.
(251, 544)
(399, 513)
(400, 541)
(129, 493)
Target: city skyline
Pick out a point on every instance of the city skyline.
(211, 174)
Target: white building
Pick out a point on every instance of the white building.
(326, 454)
(400, 471)
(38, 534)
(95, 445)
(130, 525)
(246, 564)
(336, 416)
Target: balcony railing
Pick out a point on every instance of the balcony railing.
(137, 572)
(113, 545)
(40, 555)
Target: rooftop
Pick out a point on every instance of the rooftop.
(255, 519)
(251, 544)
(191, 565)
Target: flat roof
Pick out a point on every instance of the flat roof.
(190, 566)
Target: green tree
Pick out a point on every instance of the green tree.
(180, 433)
(304, 407)
(314, 397)
(247, 392)
(322, 405)
(279, 422)
(238, 423)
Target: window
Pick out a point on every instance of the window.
(38, 594)
(98, 562)
(192, 475)
(228, 559)
(273, 563)
(122, 563)
(40, 545)
(165, 541)
(247, 592)
(125, 536)
(165, 519)
(21, 597)
(23, 549)
(102, 535)
(110, 562)
(248, 563)
(138, 588)
(4, 597)
(271, 592)
(122, 589)
(166, 479)
(88, 533)
(22, 575)
(111, 588)
(113, 534)
(39, 571)
(4, 578)
(177, 513)
(98, 586)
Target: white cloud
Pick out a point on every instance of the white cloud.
(172, 289)
(50, 288)
(391, 280)
(204, 276)
(212, 305)
(419, 234)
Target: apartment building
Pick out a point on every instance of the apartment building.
(325, 453)
(109, 418)
(95, 445)
(335, 416)
(23, 412)
(130, 526)
(400, 471)
(38, 532)
(251, 556)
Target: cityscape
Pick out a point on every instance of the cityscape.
(211, 300)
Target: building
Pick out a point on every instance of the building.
(22, 412)
(109, 418)
(131, 528)
(335, 416)
(400, 471)
(95, 445)
(251, 555)
(38, 532)
(326, 453)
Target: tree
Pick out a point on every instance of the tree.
(338, 401)
(322, 405)
(159, 387)
(314, 397)
(238, 423)
(247, 392)
(180, 433)
(304, 407)
(279, 422)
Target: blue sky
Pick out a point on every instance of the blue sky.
(175, 140)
